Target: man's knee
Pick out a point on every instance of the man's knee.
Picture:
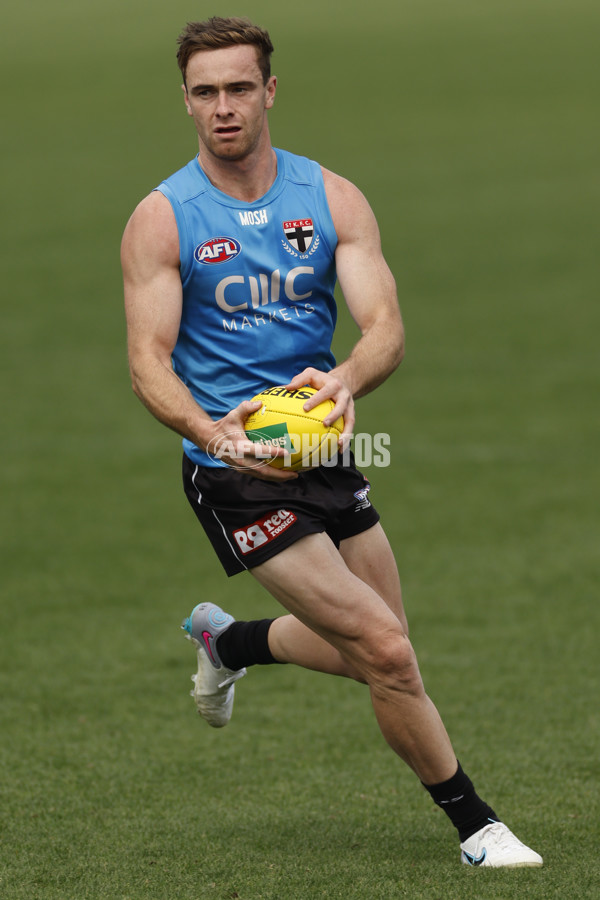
(392, 665)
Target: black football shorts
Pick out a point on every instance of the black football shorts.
(249, 520)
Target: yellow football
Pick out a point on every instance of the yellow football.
(281, 421)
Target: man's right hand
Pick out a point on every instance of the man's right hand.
(230, 444)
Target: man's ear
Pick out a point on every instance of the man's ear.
(271, 88)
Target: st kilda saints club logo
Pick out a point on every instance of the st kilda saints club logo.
(300, 239)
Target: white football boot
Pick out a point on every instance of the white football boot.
(496, 846)
(214, 688)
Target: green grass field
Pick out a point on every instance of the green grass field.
(473, 129)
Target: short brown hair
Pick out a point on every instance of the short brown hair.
(219, 32)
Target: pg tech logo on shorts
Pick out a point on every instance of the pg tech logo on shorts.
(263, 530)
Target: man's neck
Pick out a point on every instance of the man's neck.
(244, 179)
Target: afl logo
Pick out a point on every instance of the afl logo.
(217, 250)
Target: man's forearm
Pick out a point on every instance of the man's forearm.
(374, 357)
(170, 401)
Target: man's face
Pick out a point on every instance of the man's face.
(227, 100)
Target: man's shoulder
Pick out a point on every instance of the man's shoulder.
(303, 168)
(346, 201)
(186, 183)
(298, 168)
(339, 184)
(151, 228)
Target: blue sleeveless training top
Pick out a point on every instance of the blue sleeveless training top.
(258, 281)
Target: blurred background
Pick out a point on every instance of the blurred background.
(472, 128)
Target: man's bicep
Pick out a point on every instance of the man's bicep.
(153, 314)
(366, 282)
(152, 283)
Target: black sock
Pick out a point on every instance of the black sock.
(467, 812)
(246, 644)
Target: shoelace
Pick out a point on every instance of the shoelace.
(235, 676)
(503, 836)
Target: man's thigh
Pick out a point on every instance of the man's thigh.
(312, 581)
(369, 556)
